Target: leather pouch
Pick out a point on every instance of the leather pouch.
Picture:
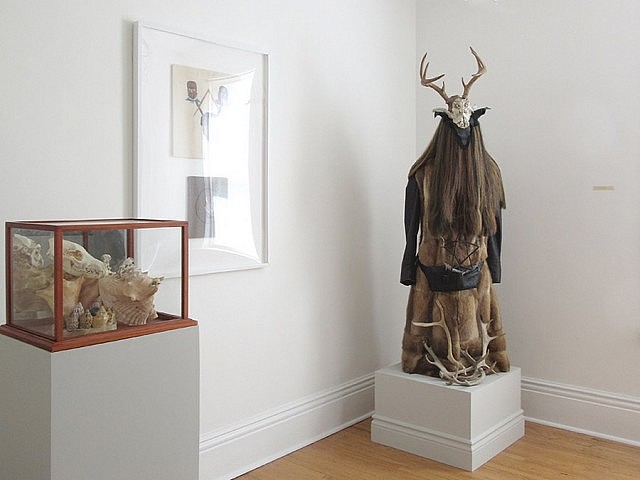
(444, 278)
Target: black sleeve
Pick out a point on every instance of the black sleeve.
(494, 247)
(412, 212)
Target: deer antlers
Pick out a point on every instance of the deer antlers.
(460, 374)
(430, 82)
(481, 71)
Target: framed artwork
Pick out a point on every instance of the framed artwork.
(200, 136)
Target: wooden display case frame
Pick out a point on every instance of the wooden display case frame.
(164, 322)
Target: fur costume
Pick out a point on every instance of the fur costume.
(453, 208)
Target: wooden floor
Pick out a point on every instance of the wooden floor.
(543, 453)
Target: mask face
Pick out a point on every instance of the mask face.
(460, 111)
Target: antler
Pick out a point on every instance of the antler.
(459, 375)
(429, 82)
(481, 71)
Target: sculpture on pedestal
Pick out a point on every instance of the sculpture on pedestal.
(453, 204)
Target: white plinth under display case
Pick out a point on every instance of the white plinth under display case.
(126, 409)
(460, 426)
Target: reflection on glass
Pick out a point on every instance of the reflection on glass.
(219, 107)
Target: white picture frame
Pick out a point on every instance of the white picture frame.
(201, 147)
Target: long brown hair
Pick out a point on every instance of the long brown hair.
(465, 186)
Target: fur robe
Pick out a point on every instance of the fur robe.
(456, 242)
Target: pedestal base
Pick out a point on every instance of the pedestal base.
(126, 410)
(460, 426)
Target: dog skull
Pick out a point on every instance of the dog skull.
(77, 261)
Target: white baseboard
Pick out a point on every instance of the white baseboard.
(237, 449)
(583, 410)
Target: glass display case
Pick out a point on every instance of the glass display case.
(74, 283)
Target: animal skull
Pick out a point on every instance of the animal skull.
(129, 292)
(77, 261)
(458, 108)
(460, 111)
(27, 249)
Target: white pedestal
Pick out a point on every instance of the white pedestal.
(122, 410)
(460, 426)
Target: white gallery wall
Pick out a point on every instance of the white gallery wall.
(562, 82)
(288, 351)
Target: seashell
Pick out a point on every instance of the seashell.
(106, 259)
(95, 307)
(111, 316)
(89, 293)
(72, 321)
(85, 320)
(70, 294)
(129, 293)
(101, 317)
